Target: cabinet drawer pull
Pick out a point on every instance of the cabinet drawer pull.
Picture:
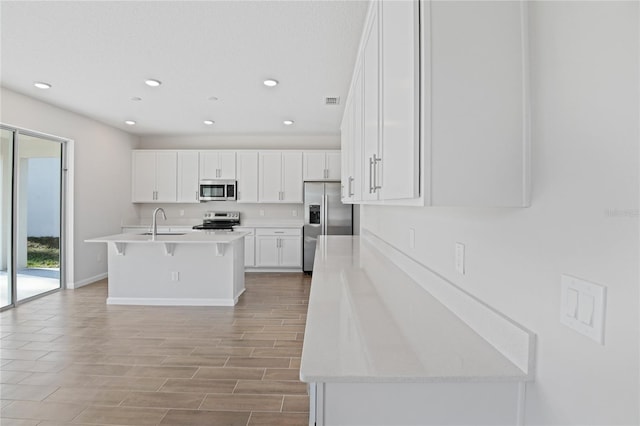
(376, 165)
(370, 175)
(349, 187)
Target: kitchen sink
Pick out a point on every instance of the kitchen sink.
(165, 233)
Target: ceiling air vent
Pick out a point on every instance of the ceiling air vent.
(332, 100)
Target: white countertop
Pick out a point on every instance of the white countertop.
(202, 237)
(249, 223)
(370, 322)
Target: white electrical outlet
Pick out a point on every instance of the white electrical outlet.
(582, 307)
(460, 258)
(294, 212)
(181, 212)
(412, 238)
(175, 276)
(261, 212)
(99, 257)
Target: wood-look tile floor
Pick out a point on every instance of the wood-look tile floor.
(69, 359)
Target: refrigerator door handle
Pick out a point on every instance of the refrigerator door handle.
(325, 211)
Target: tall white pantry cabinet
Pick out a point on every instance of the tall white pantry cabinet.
(438, 107)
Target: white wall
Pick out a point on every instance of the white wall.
(192, 213)
(248, 141)
(102, 170)
(583, 220)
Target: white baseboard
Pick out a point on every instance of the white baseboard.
(251, 269)
(86, 281)
(150, 301)
(235, 299)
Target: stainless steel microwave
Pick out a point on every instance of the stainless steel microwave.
(217, 190)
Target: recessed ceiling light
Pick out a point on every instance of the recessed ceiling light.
(270, 82)
(153, 83)
(42, 85)
(213, 98)
(136, 98)
(208, 122)
(130, 122)
(288, 122)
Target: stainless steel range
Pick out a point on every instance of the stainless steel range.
(219, 221)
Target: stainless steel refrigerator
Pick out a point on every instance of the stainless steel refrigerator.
(324, 214)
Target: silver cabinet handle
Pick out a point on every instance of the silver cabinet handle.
(370, 175)
(349, 187)
(376, 164)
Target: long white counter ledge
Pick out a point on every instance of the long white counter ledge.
(192, 268)
(379, 349)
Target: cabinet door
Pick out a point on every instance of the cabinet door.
(209, 165)
(188, 165)
(144, 176)
(357, 132)
(292, 182)
(249, 250)
(398, 172)
(166, 176)
(227, 165)
(290, 251)
(270, 172)
(333, 165)
(370, 105)
(314, 165)
(247, 169)
(346, 144)
(267, 250)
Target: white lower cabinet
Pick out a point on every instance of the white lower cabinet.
(279, 247)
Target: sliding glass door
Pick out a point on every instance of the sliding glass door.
(6, 184)
(31, 215)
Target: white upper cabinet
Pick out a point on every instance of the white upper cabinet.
(247, 168)
(351, 141)
(321, 165)
(438, 108)
(398, 170)
(390, 65)
(370, 104)
(478, 103)
(280, 177)
(218, 165)
(154, 176)
(188, 177)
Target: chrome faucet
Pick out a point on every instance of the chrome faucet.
(154, 223)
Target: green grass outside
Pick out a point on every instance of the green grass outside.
(43, 252)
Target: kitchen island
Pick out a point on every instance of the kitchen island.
(183, 269)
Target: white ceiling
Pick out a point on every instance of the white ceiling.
(98, 54)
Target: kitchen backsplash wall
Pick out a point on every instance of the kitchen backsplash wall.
(187, 213)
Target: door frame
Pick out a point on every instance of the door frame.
(66, 210)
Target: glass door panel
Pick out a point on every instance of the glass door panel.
(38, 216)
(6, 183)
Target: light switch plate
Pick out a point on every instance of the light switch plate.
(412, 238)
(583, 307)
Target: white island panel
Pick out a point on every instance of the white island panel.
(193, 269)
